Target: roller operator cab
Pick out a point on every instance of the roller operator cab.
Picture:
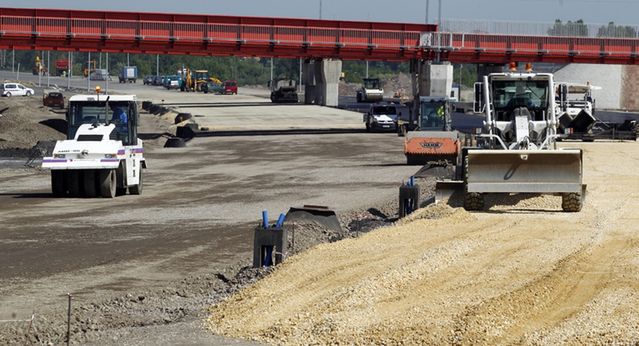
(102, 155)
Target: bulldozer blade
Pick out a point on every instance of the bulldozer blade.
(446, 189)
(320, 214)
(525, 171)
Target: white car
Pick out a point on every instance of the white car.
(15, 89)
(382, 116)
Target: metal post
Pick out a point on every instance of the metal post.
(48, 68)
(427, 9)
(89, 72)
(271, 71)
(157, 64)
(127, 59)
(300, 83)
(320, 10)
(439, 21)
(108, 74)
(69, 71)
(366, 68)
(13, 60)
(100, 59)
(69, 320)
(18, 72)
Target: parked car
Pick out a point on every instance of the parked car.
(212, 87)
(230, 87)
(172, 82)
(15, 89)
(157, 80)
(53, 99)
(148, 80)
(99, 75)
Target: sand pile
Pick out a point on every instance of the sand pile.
(20, 126)
(518, 273)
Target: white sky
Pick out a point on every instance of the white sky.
(406, 11)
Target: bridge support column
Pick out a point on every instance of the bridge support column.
(430, 79)
(321, 81)
(486, 69)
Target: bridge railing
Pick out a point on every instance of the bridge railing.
(541, 45)
(567, 29)
(104, 29)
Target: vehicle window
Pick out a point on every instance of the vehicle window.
(508, 95)
(388, 110)
(371, 84)
(433, 115)
(10, 86)
(20, 86)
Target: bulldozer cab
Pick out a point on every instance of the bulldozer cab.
(434, 115)
(120, 111)
(511, 94)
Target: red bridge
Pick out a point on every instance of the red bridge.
(156, 33)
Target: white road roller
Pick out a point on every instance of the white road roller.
(102, 155)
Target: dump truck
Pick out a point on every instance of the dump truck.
(284, 91)
(102, 155)
(371, 91)
(517, 150)
(61, 67)
(128, 74)
(433, 140)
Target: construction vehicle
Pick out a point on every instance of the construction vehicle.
(200, 77)
(577, 118)
(61, 67)
(102, 155)
(284, 91)
(517, 150)
(128, 74)
(89, 67)
(371, 91)
(39, 68)
(433, 140)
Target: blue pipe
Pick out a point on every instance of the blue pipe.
(280, 221)
(265, 219)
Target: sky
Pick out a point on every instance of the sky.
(404, 11)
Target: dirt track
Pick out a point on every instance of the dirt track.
(522, 274)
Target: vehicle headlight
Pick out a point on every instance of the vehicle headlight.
(59, 156)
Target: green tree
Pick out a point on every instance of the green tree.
(612, 30)
(578, 28)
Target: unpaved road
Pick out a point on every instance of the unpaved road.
(514, 274)
(194, 218)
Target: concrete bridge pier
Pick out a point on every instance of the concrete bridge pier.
(321, 81)
(430, 79)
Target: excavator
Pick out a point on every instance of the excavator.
(517, 150)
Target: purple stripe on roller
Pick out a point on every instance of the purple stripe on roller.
(138, 151)
(54, 160)
(109, 160)
(120, 152)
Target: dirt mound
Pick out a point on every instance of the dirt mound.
(20, 126)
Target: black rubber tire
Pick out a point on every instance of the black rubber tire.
(368, 127)
(571, 202)
(137, 189)
(359, 97)
(414, 160)
(473, 201)
(28, 94)
(73, 183)
(89, 183)
(8, 94)
(58, 184)
(108, 183)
